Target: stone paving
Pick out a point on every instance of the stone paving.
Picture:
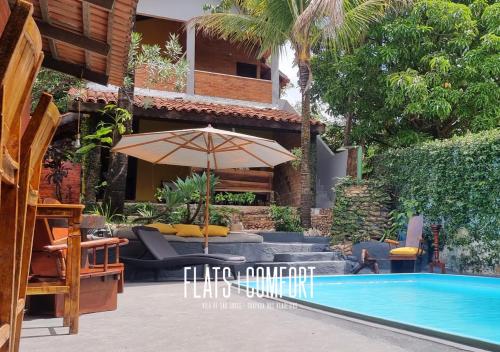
(157, 317)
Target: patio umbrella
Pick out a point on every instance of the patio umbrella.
(208, 148)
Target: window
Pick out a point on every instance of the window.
(246, 70)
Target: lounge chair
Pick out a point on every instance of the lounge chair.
(366, 261)
(413, 248)
(167, 258)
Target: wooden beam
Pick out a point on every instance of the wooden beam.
(203, 118)
(44, 9)
(75, 70)
(105, 4)
(81, 41)
(86, 29)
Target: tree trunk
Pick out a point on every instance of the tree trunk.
(305, 140)
(348, 123)
(348, 129)
(91, 165)
(114, 196)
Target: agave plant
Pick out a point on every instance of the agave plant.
(104, 209)
(186, 191)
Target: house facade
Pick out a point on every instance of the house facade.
(227, 87)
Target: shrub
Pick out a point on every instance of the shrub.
(246, 198)
(285, 219)
(455, 182)
(222, 216)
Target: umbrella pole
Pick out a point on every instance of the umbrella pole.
(207, 204)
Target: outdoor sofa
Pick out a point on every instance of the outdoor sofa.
(160, 255)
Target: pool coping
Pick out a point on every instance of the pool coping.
(380, 322)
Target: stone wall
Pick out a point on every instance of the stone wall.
(321, 219)
(258, 218)
(361, 211)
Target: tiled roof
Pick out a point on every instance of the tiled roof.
(185, 105)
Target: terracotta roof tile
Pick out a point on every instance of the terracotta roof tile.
(184, 105)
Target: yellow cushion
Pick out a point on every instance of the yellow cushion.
(215, 230)
(185, 230)
(406, 251)
(163, 228)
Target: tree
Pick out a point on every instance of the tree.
(162, 65)
(55, 83)
(266, 25)
(430, 72)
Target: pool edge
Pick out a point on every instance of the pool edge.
(466, 341)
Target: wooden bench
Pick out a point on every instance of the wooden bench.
(240, 180)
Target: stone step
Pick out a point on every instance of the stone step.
(325, 267)
(307, 256)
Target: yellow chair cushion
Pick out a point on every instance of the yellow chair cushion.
(215, 230)
(406, 251)
(163, 228)
(185, 230)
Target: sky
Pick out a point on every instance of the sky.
(292, 94)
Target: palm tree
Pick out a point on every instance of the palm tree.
(266, 25)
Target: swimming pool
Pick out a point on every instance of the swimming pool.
(464, 309)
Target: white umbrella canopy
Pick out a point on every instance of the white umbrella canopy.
(194, 147)
(208, 148)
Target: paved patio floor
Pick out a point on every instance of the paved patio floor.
(157, 317)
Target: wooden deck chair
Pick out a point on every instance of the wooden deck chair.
(20, 59)
(64, 279)
(413, 248)
(91, 250)
(98, 283)
(34, 144)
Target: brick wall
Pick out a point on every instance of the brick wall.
(233, 87)
(216, 55)
(70, 186)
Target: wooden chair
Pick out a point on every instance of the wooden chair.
(366, 261)
(67, 283)
(20, 59)
(413, 248)
(98, 284)
(34, 144)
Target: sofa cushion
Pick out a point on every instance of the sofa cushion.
(163, 228)
(188, 230)
(215, 230)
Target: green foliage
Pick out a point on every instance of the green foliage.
(333, 136)
(222, 216)
(104, 209)
(55, 83)
(357, 211)
(457, 182)
(297, 153)
(185, 192)
(246, 198)
(164, 65)
(431, 72)
(285, 218)
(114, 122)
(146, 210)
(401, 216)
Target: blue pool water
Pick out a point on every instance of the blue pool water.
(464, 306)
